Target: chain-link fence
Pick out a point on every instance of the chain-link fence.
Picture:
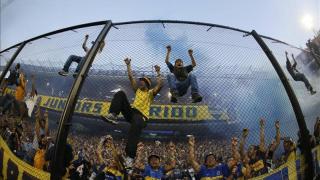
(216, 93)
(35, 96)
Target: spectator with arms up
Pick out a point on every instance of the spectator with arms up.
(210, 168)
(154, 170)
(136, 114)
(181, 78)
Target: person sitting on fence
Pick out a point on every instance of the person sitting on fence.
(137, 113)
(78, 59)
(296, 75)
(181, 78)
(12, 79)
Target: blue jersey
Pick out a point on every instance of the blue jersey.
(239, 171)
(151, 174)
(218, 172)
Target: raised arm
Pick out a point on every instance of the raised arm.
(288, 60)
(138, 162)
(46, 117)
(132, 80)
(244, 136)
(171, 161)
(116, 156)
(84, 44)
(158, 87)
(262, 136)
(294, 62)
(193, 61)
(33, 86)
(276, 144)
(234, 149)
(22, 80)
(168, 54)
(196, 166)
(37, 125)
(99, 150)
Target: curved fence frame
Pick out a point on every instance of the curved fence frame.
(65, 119)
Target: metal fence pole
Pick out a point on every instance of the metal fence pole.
(309, 173)
(14, 56)
(65, 120)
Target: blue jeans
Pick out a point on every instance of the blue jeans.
(181, 87)
(70, 60)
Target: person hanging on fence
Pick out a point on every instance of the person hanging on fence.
(296, 75)
(181, 78)
(138, 113)
(78, 59)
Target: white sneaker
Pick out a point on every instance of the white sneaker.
(63, 73)
(128, 162)
(110, 118)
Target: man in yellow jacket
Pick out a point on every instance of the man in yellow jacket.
(136, 114)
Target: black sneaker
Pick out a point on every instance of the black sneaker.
(313, 92)
(174, 97)
(63, 73)
(75, 74)
(196, 98)
(110, 118)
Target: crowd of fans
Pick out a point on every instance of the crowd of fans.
(96, 157)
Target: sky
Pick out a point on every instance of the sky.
(24, 19)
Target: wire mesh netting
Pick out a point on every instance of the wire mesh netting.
(305, 88)
(237, 83)
(213, 99)
(36, 98)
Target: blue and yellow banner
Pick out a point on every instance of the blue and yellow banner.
(13, 168)
(157, 111)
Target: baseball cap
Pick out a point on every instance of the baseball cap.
(146, 80)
